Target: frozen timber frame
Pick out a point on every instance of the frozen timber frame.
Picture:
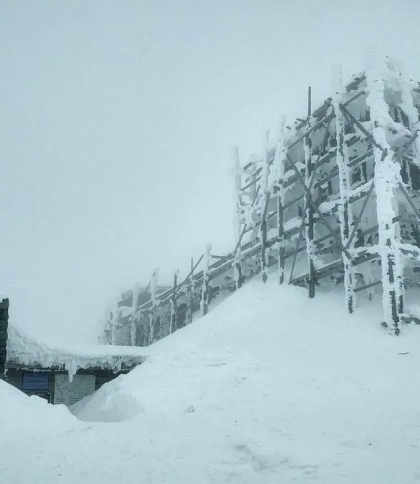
(310, 205)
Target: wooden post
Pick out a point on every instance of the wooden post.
(237, 269)
(386, 184)
(264, 200)
(280, 233)
(4, 322)
(280, 167)
(309, 232)
(133, 330)
(204, 304)
(153, 297)
(190, 295)
(345, 213)
(174, 305)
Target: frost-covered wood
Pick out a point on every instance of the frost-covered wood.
(279, 173)
(309, 227)
(344, 207)
(336, 200)
(264, 201)
(204, 303)
(153, 298)
(386, 178)
(174, 305)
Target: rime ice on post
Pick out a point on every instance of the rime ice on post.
(190, 295)
(238, 220)
(386, 178)
(174, 307)
(279, 172)
(136, 293)
(204, 303)
(264, 200)
(309, 229)
(153, 297)
(344, 206)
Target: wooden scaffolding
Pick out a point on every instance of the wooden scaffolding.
(335, 200)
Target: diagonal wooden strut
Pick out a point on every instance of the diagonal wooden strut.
(311, 182)
(318, 211)
(359, 217)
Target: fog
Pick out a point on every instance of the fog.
(117, 127)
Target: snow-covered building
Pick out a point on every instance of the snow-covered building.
(334, 199)
(63, 374)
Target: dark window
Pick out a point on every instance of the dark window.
(35, 381)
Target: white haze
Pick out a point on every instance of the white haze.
(117, 124)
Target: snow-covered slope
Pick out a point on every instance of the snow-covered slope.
(268, 388)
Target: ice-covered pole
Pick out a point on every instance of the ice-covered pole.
(264, 200)
(190, 294)
(344, 206)
(279, 167)
(134, 306)
(386, 177)
(174, 304)
(204, 303)
(309, 228)
(237, 270)
(153, 298)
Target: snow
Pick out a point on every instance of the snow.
(24, 350)
(269, 387)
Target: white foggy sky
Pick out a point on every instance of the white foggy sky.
(117, 124)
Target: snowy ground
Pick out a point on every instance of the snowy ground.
(268, 388)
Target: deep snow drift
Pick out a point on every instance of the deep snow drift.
(268, 388)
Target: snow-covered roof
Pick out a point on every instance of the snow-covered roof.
(24, 351)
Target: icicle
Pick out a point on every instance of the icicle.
(386, 178)
(344, 207)
(71, 368)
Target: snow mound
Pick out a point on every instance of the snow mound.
(269, 387)
(111, 403)
(20, 412)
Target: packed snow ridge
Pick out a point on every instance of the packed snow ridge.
(270, 387)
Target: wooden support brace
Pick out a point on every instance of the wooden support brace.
(359, 217)
(320, 214)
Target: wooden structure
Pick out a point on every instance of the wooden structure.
(335, 200)
(4, 322)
